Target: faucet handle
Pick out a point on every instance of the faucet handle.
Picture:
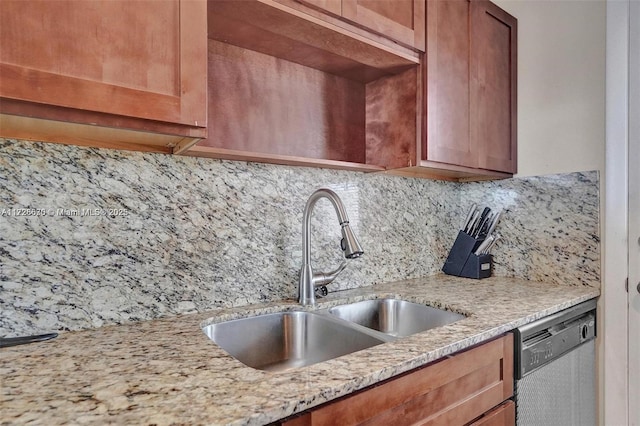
(324, 278)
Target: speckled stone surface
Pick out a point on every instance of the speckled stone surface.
(550, 229)
(186, 235)
(167, 371)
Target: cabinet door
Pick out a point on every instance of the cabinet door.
(493, 86)
(470, 80)
(143, 59)
(447, 84)
(400, 20)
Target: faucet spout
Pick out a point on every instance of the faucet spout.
(349, 244)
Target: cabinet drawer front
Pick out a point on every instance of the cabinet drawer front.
(452, 391)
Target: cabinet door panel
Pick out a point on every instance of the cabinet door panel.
(493, 86)
(502, 415)
(455, 390)
(400, 20)
(333, 7)
(447, 84)
(144, 59)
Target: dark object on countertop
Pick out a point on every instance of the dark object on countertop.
(463, 260)
(470, 255)
(5, 342)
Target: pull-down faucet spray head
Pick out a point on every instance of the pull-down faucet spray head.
(349, 243)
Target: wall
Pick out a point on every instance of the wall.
(561, 85)
(190, 234)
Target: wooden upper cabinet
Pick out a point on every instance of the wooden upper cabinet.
(467, 104)
(470, 82)
(400, 20)
(447, 84)
(142, 59)
(493, 86)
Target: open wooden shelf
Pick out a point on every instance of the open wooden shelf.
(287, 88)
(283, 32)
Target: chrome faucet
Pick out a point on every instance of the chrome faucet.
(309, 280)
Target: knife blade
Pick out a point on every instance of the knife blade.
(5, 342)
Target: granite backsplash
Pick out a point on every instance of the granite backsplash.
(91, 237)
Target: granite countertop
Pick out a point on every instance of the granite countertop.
(167, 371)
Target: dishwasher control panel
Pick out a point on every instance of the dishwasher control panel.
(549, 338)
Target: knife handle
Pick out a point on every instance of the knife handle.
(472, 210)
(494, 222)
(480, 250)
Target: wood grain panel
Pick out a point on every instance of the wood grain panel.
(447, 84)
(261, 157)
(392, 117)
(117, 42)
(259, 103)
(277, 30)
(330, 6)
(436, 406)
(400, 20)
(337, 20)
(70, 115)
(40, 130)
(433, 170)
(494, 88)
(502, 415)
(400, 11)
(140, 59)
(455, 390)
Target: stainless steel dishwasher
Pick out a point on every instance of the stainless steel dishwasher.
(555, 369)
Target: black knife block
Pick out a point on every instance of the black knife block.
(463, 262)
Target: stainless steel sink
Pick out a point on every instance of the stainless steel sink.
(286, 340)
(395, 317)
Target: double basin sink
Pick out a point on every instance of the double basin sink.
(284, 340)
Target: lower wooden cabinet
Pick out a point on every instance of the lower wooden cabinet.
(466, 388)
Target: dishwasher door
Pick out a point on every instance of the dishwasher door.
(561, 393)
(556, 369)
